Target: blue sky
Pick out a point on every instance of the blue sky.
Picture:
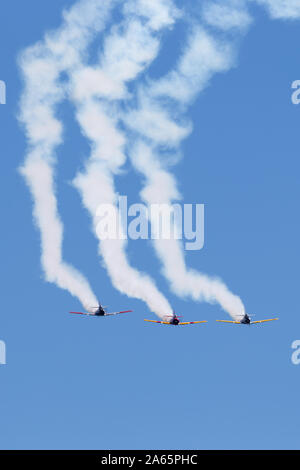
(118, 383)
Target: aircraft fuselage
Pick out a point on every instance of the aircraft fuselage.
(246, 320)
(100, 312)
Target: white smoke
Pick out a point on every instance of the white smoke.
(41, 66)
(160, 187)
(204, 55)
(227, 16)
(127, 51)
(157, 121)
(282, 9)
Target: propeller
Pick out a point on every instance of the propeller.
(173, 316)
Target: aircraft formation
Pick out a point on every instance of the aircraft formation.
(173, 319)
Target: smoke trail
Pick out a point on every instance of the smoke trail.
(41, 66)
(281, 9)
(127, 51)
(160, 187)
(204, 56)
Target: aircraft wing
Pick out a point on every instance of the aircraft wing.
(263, 321)
(116, 313)
(230, 321)
(191, 322)
(83, 313)
(156, 321)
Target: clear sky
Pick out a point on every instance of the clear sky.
(75, 382)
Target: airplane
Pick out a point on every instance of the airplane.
(246, 320)
(100, 312)
(174, 320)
